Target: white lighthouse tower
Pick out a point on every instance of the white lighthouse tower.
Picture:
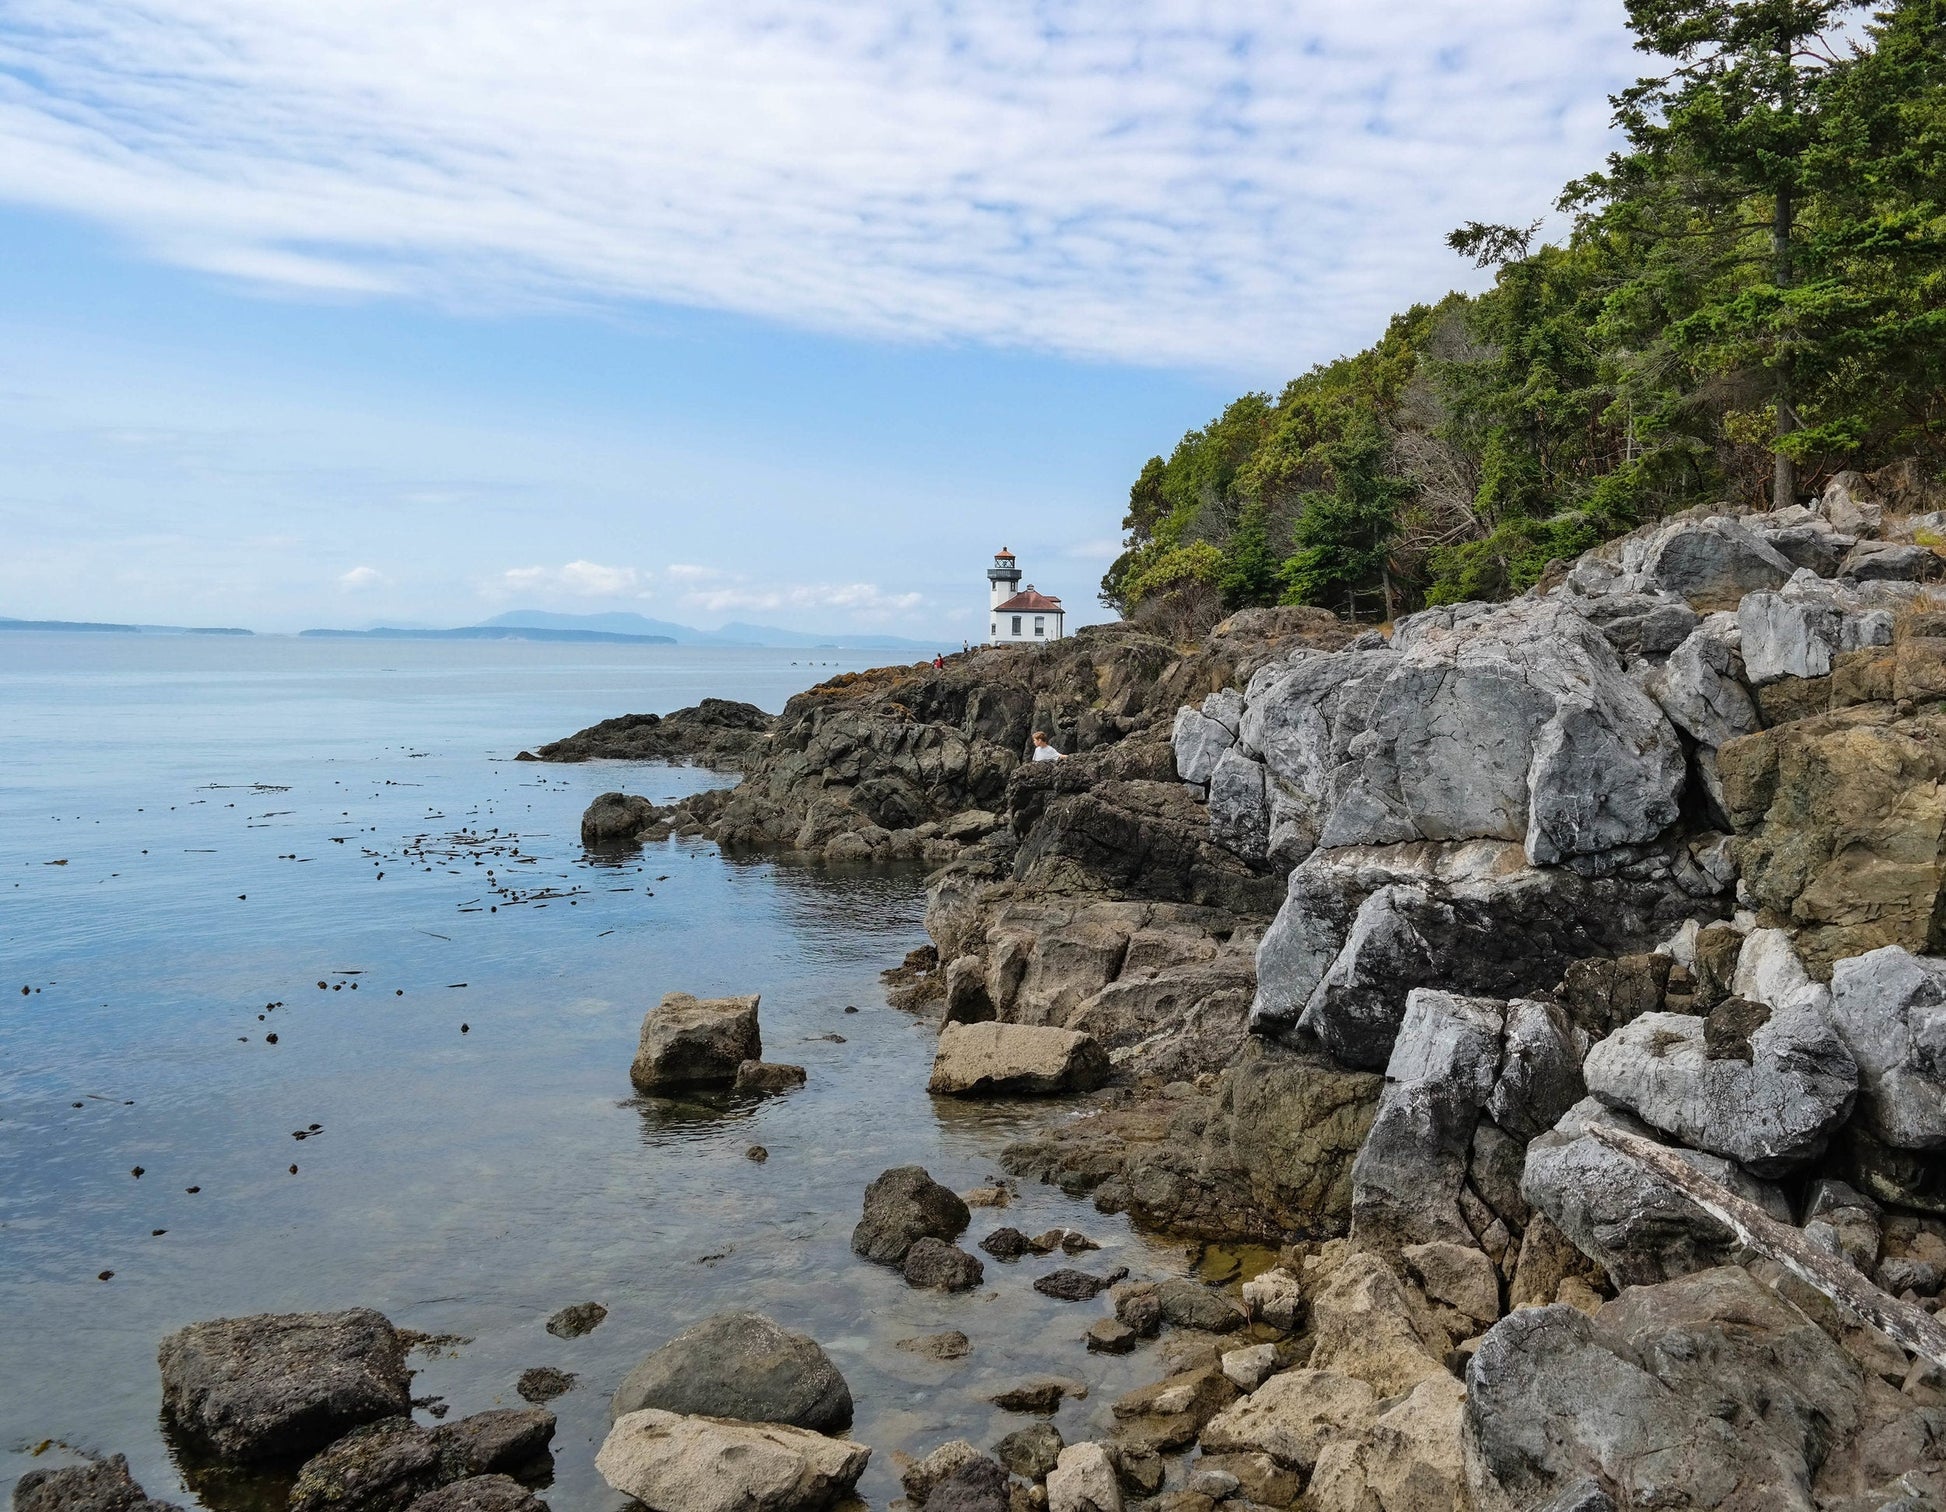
(1019, 616)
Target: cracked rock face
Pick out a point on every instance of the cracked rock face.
(1511, 722)
(1890, 1007)
(1710, 1391)
(1763, 1086)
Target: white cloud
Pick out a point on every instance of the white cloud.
(574, 580)
(361, 577)
(856, 598)
(1252, 185)
(689, 572)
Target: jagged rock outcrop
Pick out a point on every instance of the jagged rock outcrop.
(1711, 1391)
(718, 732)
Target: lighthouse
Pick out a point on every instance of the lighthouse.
(1019, 616)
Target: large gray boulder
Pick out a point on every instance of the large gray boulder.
(689, 1041)
(1635, 1225)
(1540, 1068)
(903, 1206)
(1406, 1181)
(671, 1463)
(1890, 1007)
(1512, 722)
(740, 1365)
(278, 1386)
(98, 1486)
(994, 1059)
(1709, 563)
(1201, 736)
(1700, 688)
(1709, 1391)
(1766, 1087)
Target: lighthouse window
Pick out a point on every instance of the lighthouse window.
(1016, 624)
(1040, 625)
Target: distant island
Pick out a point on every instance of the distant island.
(96, 627)
(538, 625)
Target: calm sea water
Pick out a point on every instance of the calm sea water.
(208, 842)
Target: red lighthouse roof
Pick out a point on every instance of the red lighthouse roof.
(1003, 555)
(1030, 602)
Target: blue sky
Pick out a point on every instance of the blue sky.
(793, 313)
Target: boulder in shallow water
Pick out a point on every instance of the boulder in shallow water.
(499, 1440)
(280, 1385)
(381, 1467)
(902, 1206)
(768, 1076)
(740, 1365)
(480, 1493)
(689, 1041)
(938, 1266)
(98, 1486)
(994, 1059)
(671, 1463)
(616, 819)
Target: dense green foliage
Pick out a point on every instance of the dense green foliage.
(1752, 295)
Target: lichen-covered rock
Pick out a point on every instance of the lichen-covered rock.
(1709, 1391)
(1763, 1086)
(281, 1385)
(902, 1206)
(740, 1365)
(689, 1041)
(1616, 1212)
(993, 1059)
(1840, 820)
(98, 1486)
(671, 1463)
(1890, 1007)
(1294, 1416)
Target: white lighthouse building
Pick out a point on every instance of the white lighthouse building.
(1019, 616)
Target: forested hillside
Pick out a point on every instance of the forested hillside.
(1752, 295)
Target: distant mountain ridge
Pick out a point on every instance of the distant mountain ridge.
(737, 633)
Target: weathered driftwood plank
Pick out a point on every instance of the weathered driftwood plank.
(1913, 1327)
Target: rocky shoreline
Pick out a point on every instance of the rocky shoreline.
(1391, 953)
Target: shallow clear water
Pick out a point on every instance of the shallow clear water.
(236, 821)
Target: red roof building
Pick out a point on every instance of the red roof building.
(1019, 616)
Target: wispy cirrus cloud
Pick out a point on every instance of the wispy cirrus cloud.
(1161, 181)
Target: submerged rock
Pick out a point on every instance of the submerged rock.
(690, 1041)
(280, 1385)
(902, 1206)
(991, 1059)
(768, 1076)
(503, 1439)
(671, 1463)
(480, 1493)
(740, 1365)
(577, 1319)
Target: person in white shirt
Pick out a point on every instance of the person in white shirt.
(1043, 751)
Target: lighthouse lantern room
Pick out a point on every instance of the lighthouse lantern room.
(1015, 615)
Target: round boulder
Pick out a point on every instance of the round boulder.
(740, 1365)
(902, 1206)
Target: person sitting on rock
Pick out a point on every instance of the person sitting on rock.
(1044, 751)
